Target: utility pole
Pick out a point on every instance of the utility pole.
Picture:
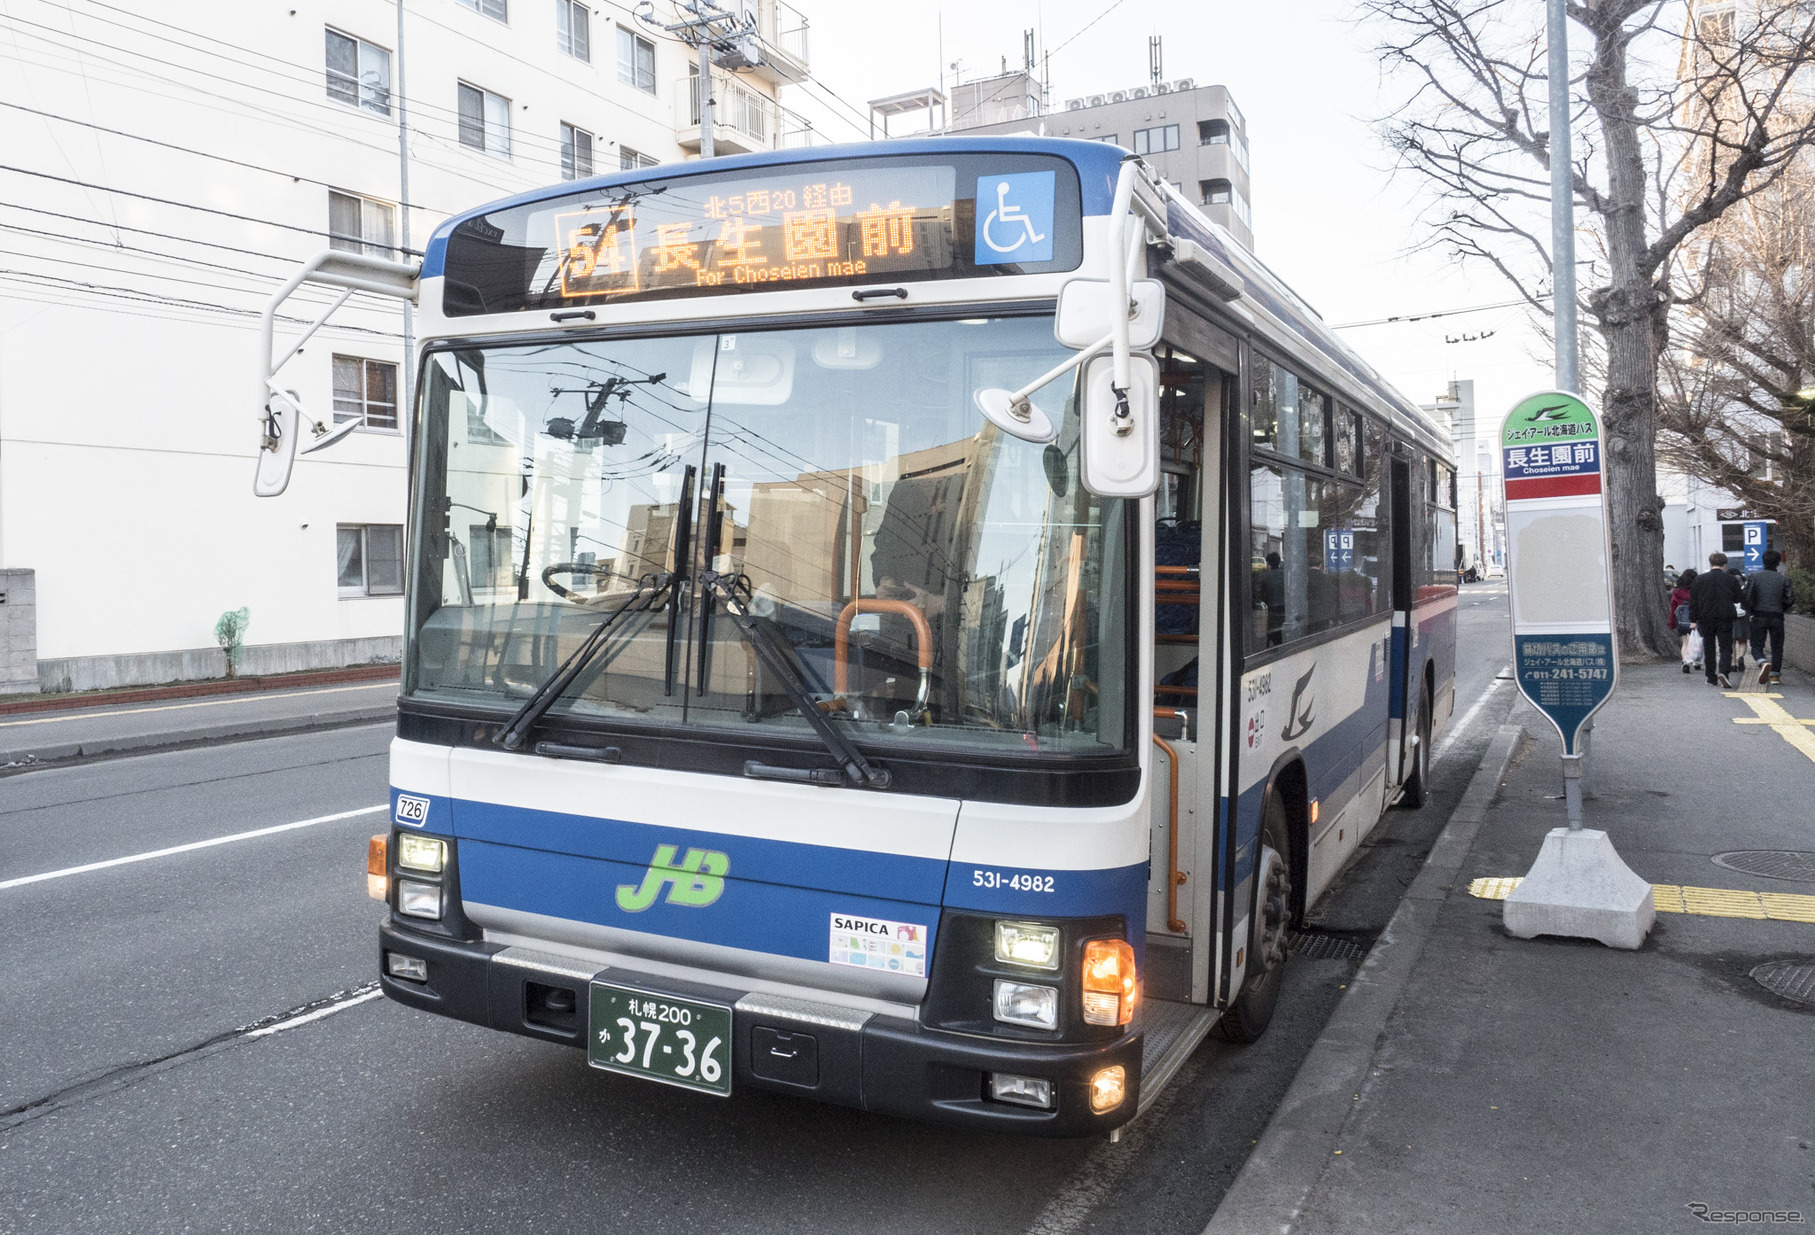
(407, 404)
(720, 38)
(1562, 203)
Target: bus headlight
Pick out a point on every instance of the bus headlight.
(1022, 1003)
(421, 853)
(418, 900)
(1108, 1088)
(1027, 943)
(1110, 989)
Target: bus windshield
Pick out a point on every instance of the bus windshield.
(928, 578)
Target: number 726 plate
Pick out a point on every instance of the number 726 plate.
(660, 1038)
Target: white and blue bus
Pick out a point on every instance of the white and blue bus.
(911, 625)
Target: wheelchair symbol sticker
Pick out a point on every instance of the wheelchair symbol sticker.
(1014, 218)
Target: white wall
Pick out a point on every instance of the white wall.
(127, 419)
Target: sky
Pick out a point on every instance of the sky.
(1329, 217)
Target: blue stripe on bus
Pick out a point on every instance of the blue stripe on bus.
(1024, 891)
(761, 917)
(823, 867)
(1098, 164)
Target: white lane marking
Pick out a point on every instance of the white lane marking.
(316, 1015)
(1468, 716)
(191, 846)
(206, 703)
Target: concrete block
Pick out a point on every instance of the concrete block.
(1580, 889)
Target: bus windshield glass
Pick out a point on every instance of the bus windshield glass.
(925, 577)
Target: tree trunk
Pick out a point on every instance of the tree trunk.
(1630, 317)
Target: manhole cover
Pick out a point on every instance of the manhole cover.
(1771, 863)
(1317, 946)
(1794, 980)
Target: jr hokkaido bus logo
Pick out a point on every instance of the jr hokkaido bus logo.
(696, 881)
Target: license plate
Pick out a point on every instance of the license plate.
(660, 1038)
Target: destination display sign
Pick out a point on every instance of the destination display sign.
(765, 229)
(880, 219)
(1558, 561)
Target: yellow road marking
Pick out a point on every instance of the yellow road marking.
(206, 703)
(1769, 712)
(1702, 902)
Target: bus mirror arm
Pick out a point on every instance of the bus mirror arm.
(350, 272)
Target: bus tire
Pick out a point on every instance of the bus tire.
(1248, 1017)
(1417, 785)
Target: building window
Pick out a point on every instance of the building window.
(369, 559)
(573, 29)
(497, 10)
(359, 224)
(636, 61)
(366, 391)
(1156, 140)
(1216, 192)
(485, 121)
(359, 74)
(632, 160)
(576, 153)
(1240, 205)
(1213, 132)
(1111, 138)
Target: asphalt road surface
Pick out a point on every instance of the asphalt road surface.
(188, 1041)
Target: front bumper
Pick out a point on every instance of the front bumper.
(885, 1064)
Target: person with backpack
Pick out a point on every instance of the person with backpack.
(1679, 617)
(1712, 600)
(1767, 597)
(1742, 625)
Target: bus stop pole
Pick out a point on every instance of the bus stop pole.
(1563, 279)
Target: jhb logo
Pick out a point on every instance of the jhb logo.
(697, 881)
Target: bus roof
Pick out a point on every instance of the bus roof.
(1097, 163)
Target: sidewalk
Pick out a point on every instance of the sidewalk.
(64, 736)
(1472, 1082)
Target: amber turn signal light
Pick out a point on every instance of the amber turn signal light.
(1110, 986)
(377, 883)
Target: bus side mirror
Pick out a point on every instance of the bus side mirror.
(1119, 430)
(277, 446)
(1084, 314)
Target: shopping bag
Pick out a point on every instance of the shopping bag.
(1694, 652)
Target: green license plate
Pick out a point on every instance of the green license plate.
(660, 1038)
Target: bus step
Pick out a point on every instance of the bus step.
(1173, 1031)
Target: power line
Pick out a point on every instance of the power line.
(1425, 317)
(1087, 25)
(165, 201)
(130, 293)
(142, 231)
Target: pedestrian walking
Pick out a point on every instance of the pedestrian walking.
(1680, 621)
(1670, 576)
(1712, 600)
(1767, 597)
(1742, 626)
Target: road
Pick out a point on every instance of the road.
(133, 1097)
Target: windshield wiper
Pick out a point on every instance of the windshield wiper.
(733, 591)
(650, 590)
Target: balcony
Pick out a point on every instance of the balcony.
(744, 121)
(782, 30)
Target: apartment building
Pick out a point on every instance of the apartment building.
(1195, 136)
(167, 167)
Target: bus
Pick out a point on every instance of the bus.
(911, 625)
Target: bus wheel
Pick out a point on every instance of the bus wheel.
(1417, 785)
(1247, 1018)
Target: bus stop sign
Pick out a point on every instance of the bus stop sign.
(1558, 582)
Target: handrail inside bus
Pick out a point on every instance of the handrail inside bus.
(923, 644)
(1175, 878)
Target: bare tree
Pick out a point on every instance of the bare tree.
(1733, 410)
(1680, 115)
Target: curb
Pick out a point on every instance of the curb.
(63, 754)
(1270, 1191)
(198, 688)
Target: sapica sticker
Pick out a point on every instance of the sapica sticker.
(876, 943)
